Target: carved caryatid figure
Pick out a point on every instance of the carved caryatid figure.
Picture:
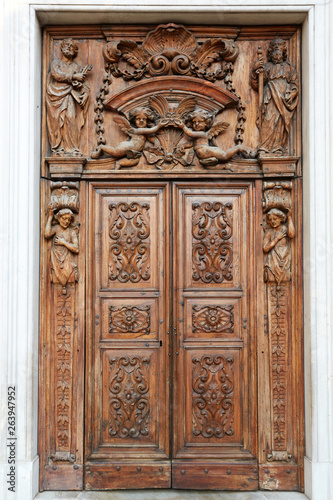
(141, 124)
(277, 84)
(277, 246)
(199, 126)
(67, 96)
(64, 245)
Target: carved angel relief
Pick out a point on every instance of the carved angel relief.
(213, 397)
(168, 129)
(212, 255)
(129, 249)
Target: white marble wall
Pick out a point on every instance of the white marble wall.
(19, 213)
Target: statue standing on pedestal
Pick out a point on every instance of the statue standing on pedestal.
(277, 85)
(67, 96)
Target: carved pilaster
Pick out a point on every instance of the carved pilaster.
(278, 233)
(61, 330)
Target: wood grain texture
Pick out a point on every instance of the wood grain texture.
(166, 346)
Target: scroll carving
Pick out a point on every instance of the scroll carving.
(171, 49)
(129, 319)
(129, 407)
(67, 98)
(130, 244)
(212, 397)
(277, 84)
(212, 254)
(215, 319)
(64, 233)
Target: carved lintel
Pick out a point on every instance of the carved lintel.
(71, 167)
(278, 456)
(275, 166)
(62, 456)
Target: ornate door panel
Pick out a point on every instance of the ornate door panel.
(171, 258)
(127, 344)
(214, 336)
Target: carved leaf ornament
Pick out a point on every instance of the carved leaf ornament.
(129, 397)
(212, 255)
(130, 245)
(170, 50)
(212, 397)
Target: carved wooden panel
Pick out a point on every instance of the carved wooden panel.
(127, 339)
(213, 396)
(214, 319)
(213, 331)
(129, 319)
(212, 252)
(129, 242)
(199, 291)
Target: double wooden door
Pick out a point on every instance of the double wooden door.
(171, 334)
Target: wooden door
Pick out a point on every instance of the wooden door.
(132, 337)
(171, 258)
(128, 367)
(214, 422)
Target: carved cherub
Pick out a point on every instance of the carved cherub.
(64, 244)
(277, 247)
(199, 126)
(141, 124)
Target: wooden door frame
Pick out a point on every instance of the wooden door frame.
(141, 176)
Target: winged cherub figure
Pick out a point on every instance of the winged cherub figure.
(141, 124)
(199, 126)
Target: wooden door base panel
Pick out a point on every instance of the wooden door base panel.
(127, 475)
(280, 477)
(213, 476)
(63, 477)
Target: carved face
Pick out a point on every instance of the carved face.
(141, 120)
(277, 53)
(274, 220)
(199, 123)
(69, 49)
(65, 220)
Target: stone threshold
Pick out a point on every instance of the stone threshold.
(169, 495)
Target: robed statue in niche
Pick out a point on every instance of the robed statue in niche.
(277, 85)
(67, 97)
